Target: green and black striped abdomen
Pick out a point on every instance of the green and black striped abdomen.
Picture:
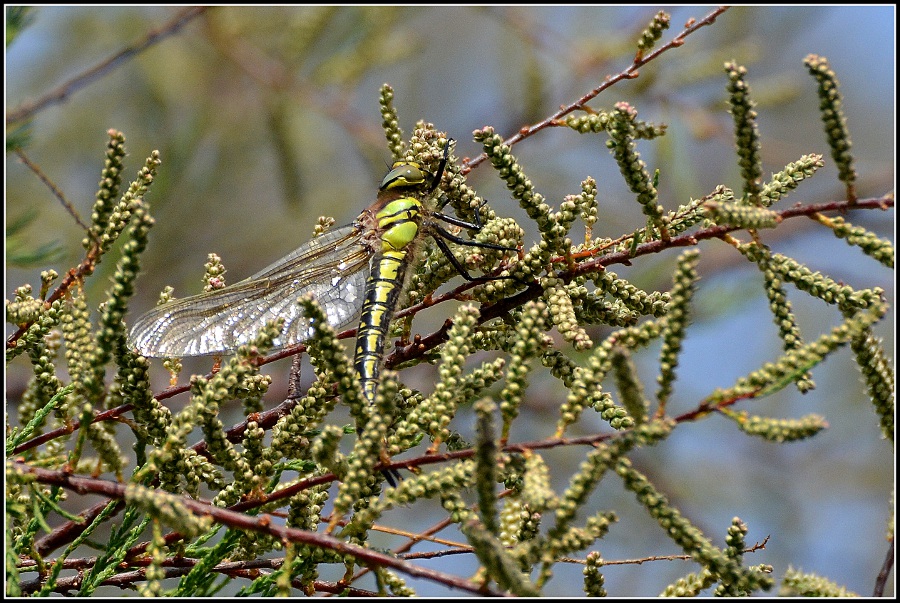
(399, 222)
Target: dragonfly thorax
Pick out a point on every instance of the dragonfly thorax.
(399, 221)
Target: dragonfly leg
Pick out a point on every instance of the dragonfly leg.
(459, 267)
(467, 242)
(441, 167)
(477, 225)
(391, 476)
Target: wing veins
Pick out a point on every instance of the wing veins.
(220, 321)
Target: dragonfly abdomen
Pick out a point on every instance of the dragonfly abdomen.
(399, 221)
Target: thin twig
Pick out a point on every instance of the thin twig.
(53, 188)
(62, 92)
(885, 571)
(629, 72)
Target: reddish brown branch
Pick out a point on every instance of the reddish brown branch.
(533, 291)
(628, 73)
(177, 567)
(260, 523)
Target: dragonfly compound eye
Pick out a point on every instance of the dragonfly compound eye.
(403, 174)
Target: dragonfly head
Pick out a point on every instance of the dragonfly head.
(403, 174)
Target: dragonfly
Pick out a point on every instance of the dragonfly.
(358, 270)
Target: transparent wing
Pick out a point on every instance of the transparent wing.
(333, 267)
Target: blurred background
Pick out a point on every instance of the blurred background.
(267, 118)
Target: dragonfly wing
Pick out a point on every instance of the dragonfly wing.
(332, 267)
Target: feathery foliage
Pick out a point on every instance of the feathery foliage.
(553, 322)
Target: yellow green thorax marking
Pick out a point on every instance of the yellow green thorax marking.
(399, 221)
